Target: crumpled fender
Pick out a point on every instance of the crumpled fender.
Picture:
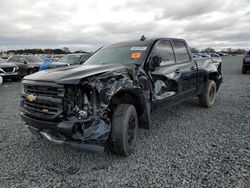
(108, 85)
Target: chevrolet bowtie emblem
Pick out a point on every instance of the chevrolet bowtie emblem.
(31, 98)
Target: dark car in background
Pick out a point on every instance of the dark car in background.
(8, 70)
(70, 59)
(246, 63)
(4, 57)
(28, 64)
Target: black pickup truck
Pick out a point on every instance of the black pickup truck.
(103, 102)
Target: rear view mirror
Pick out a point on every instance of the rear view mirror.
(155, 61)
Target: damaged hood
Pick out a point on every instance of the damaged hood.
(72, 74)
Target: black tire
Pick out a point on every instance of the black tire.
(207, 98)
(243, 70)
(124, 129)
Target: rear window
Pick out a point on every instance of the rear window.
(181, 52)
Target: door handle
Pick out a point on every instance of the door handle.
(177, 71)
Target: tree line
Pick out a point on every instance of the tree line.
(211, 50)
(43, 51)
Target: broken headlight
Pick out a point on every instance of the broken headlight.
(81, 102)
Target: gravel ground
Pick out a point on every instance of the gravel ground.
(187, 146)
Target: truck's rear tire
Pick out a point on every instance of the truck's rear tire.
(124, 129)
(207, 98)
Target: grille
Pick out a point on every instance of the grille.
(48, 103)
(8, 69)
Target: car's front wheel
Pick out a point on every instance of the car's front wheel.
(124, 129)
(207, 98)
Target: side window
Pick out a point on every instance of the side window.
(181, 52)
(163, 48)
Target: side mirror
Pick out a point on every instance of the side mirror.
(155, 61)
(24, 62)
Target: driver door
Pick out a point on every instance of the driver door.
(165, 78)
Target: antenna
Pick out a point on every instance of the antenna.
(143, 38)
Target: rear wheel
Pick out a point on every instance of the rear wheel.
(124, 129)
(207, 98)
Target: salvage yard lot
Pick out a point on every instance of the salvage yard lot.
(187, 145)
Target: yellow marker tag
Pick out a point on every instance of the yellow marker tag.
(135, 55)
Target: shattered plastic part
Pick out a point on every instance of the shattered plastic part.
(160, 90)
(160, 87)
(96, 128)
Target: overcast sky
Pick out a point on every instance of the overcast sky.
(87, 25)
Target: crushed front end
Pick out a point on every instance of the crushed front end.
(65, 114)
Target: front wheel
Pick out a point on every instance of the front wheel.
(124, 129)
(207, 98)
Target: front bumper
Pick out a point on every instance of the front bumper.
(9, 75)
(87, 135)
(59, 139)
(63, 127)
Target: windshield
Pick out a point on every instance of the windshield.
(33, 59)
(117, 54)
(69, 59)
(2, 61)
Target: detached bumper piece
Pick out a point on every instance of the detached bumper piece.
(57, 138)
(89, 135)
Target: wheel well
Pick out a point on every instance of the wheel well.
(215, 76)
(128, 97)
